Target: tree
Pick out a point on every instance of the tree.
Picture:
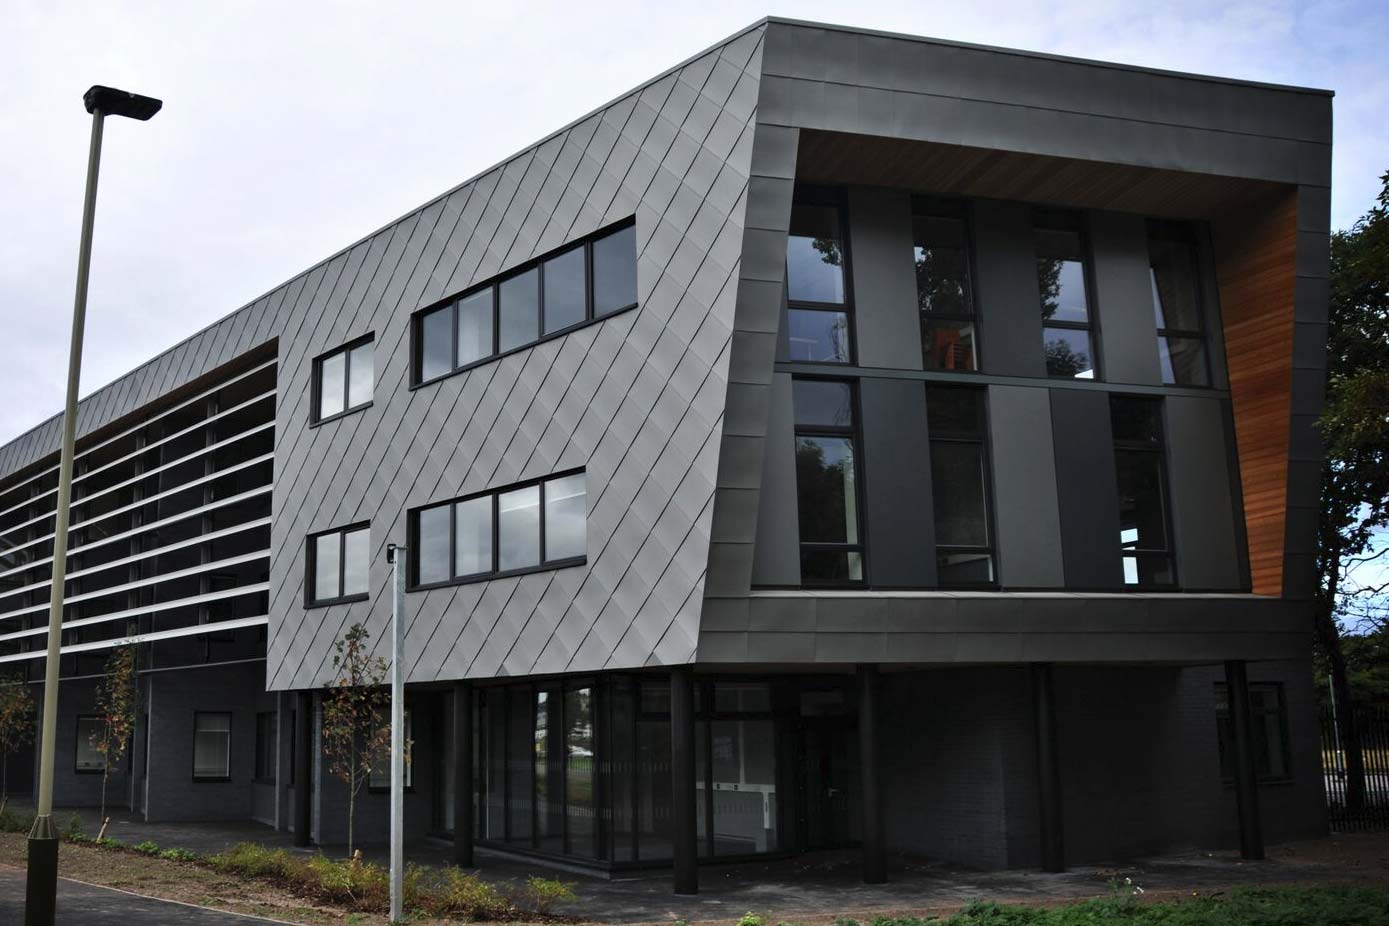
(1355, 471)
(16, 725)
(117, 698)
(356, 712)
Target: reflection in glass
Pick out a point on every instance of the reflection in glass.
(520, 749)
(957, 488)
(822, 402)
(579, 772)
(615, 271)
(1062, 285)
(947, 344)
(211, 745)
(1068, 353)
(436, 348)
(955, 412)
(332, 373)
(472, 536)
(814, 255)
(1142, 517)
(1145, 546)
(360, 375)
(743, 758)
(474, 327)
(943, 291)
(1176, 289)
(327, 566)
(1183, 360)
(518, 528)
(356, 562)
(565, 518)
(825, 489)
(548, 777)
(432, 558)
(818, 336)
(519, 309)
(564, 290)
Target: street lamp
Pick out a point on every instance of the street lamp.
(41, 886)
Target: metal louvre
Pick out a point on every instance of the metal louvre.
(256, 621)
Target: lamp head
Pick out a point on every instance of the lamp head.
(113, 102)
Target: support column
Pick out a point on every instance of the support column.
(463, 774)
(1251, 836)
(682, 781)
(303, 777)
(874, 841)
(1048, 767)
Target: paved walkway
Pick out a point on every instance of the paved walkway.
(89, 905)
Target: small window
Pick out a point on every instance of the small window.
(339, 565)
(267, 725)
(955, 421)
(1063, 283)
(89, 758)
(537, 525)
(827, 476)
(615, 271)
(1144, 533)
(379, 779)
(816, 289)
(1176, 281)
(944, 287)
(1268, 716)
(211, 747)
(343, 379)
(519, 299)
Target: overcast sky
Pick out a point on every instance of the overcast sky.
(291, 129)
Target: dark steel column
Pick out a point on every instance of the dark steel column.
(1048, 767)
(682, 780)
(1251, 836)
(303, 776)
(463, 774)
(874, 841)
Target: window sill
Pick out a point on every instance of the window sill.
(342, 414)
(329, 602)
(506, 574)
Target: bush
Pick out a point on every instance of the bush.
(11, 822)
(541, 894)
(73, 829)
(256, 861)
(458, 893)
(177, 855)
(146, 848)
(751, 919)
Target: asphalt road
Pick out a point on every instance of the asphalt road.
(88, 905)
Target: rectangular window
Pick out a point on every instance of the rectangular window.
(944, 288)
(1176, 281)
(343, 379)
(955, 420)
(89, 758)
(579, 284)
(1144, 533)
(267, 726)
(827, 491)
(1268, 715)
(536, 525)
(338, 567)
(818, 307)
(379, 779)
(1063, 284)
(211, 746)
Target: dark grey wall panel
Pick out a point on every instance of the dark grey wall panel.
(1087, 489)
(776, 555)
(1124, 298)
(1010, 314)
(880, 248)
(897, 484)
(1203, 512)
(1026, 513)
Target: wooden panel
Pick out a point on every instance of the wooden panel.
(1255, 250)
(838, 157)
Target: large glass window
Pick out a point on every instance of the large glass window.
(580, 772)
(339, 565)
(379, 778)
(582, 283)
(1144, 533)
(1063, 275)
(955, 419)
(88, 757)
(266, 747)
(1176, 282)
(343, 380)
(1268, 716)
(944, 291)
(211, 746)
(816, 291)
(827, 482)
(536, 525)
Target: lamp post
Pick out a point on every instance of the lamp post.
(395, 555)
(41, 885)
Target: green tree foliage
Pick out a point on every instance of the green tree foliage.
(356, 712)
(117, 699)
(16, 725)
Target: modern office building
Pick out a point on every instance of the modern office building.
(842, 439)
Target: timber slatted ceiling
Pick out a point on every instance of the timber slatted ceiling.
(1254, 250)
(838, 157)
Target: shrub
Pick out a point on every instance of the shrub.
(752, 919)
(256, 861)
(178, 855)
(146, 848)
(458, 893)
(73, 829)
(11, 822)
(541, 894)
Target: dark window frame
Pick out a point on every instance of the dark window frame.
(986, 456)
(266, 774)
(961, 210)
(1078, 221)
(853, 432)
(316, 386)
(193, 754)
(450, 305)
(77, 744)
(1157, 448)
(837, 198)
(1183, 234)
(545, 565)
(1225, 735)
(311, 563)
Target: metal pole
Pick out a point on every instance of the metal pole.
(684, 825)
(397, 730)
(1048, 767)
(41, 887)
(1251, 837)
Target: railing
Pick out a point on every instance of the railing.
(1350, 808)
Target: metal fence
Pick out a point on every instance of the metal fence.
(1371, 810)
